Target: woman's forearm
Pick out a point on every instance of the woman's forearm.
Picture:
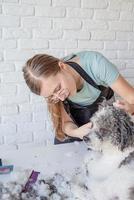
(123, 88)
(69, 128)
(72, 130)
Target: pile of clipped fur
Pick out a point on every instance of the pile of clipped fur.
(59, 187)
(100, 178)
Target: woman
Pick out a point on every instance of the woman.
(125, 106)
(73, 87)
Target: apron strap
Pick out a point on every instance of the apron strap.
(82, 72)
(82, 114)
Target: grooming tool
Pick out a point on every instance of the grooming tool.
(5, 169)
(0, 162)
(31, 180)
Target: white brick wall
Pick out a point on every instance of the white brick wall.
(57, 27)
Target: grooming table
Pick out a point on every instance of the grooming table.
(45, 159)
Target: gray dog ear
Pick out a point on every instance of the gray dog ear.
(126, 134)
(122, 146)
(99, 134)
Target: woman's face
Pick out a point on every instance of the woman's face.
(58, 87)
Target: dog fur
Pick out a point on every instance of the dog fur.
(111, 125)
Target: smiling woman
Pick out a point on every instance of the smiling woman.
(73, 87)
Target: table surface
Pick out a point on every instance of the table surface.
(45, 159)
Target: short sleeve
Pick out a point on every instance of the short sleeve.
(106, 72)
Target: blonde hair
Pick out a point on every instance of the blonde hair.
(43, 65)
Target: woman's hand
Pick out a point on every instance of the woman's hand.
(124, 105)
(83, 130)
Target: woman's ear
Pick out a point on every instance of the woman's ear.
(61, 65)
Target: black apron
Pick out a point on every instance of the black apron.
(82, 114)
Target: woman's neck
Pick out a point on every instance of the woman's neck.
(78, 79)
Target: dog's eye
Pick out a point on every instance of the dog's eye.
(104, 131)
(86, 139)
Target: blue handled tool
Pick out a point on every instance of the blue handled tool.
(5, 169)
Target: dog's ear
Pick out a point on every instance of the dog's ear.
(99, 135)
(122, 146)
(127, 133)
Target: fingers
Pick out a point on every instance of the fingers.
(89, 125)
(54, 100)
(62, 94)
(120, 104)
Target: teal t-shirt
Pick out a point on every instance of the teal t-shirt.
(100, 69)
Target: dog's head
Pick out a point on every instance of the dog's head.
(93, 140)
(111, 126)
